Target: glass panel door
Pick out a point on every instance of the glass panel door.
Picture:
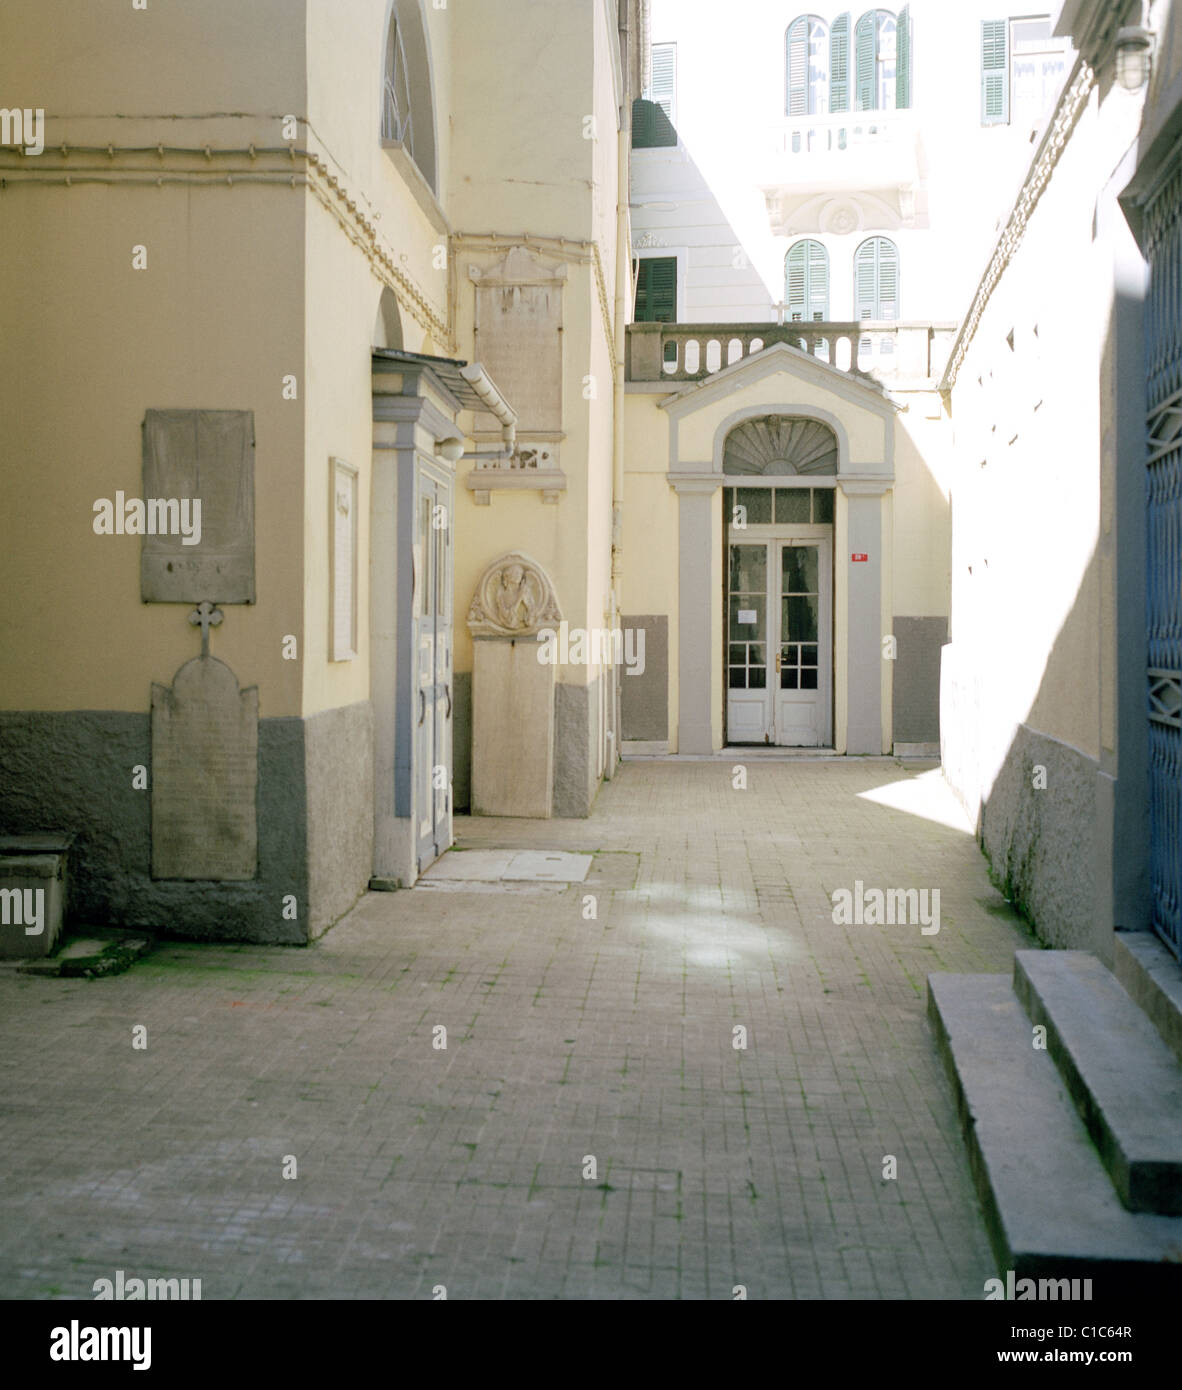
(804, 649)
(748, 693)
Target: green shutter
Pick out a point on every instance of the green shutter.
(664, 89)
(876, 280)
(806, 283)
(839, 64)
(903, 60)
(650, 126)
(796, 68)
(865, 53)
(656, 290)
(995, 72)
(888, 279)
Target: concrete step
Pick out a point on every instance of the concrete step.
(1049, 1206)
(1126, 1083)
(1153, 979)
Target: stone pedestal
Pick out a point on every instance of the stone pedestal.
(513, 690)
(512, 730)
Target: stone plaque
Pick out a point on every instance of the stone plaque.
(343, 562)
(519, 337)
(205, 455)
(205, 772)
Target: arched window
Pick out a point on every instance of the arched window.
(877, 85)
(876, 279)
(397, 115)
(806, 57)
(806, 283)
(408, 115)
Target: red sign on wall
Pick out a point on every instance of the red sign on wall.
(859, 559)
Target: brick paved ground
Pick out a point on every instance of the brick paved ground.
(566, 1037)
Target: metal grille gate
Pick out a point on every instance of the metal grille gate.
(1163, 226)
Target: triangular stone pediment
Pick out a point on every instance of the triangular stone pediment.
(781, 358)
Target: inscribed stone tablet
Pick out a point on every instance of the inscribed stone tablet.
(205, 770)
(519, 336)
(207, 455)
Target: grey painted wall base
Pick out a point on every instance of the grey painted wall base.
(916, 679)
(461, 741)
(72, 771)
(1042, 843)
(644, 697)
(338, 746)
(575, 783)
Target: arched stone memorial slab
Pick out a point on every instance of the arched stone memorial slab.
(205, 736)
(512, 690)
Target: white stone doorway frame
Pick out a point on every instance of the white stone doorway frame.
(863, 520)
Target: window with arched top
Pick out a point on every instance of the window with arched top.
(408, 114)
(882, 61)
(876, 279)
(833, 66)
(806, 283)
(806, 56)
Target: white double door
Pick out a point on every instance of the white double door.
(780, 641)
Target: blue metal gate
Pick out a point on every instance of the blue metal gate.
(1163, 227)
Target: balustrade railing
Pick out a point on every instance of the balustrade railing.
(872, 349)
(832, 134)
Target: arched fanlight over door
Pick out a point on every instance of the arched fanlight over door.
(780, 446)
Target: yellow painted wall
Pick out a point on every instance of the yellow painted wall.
(921, 534)
(213, 323)
(521, 164)
(90, 344)
(343, 285)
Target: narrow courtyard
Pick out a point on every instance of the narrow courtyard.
(594, 1126)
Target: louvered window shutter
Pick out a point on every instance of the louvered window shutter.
(876, 280)
(796, 68)
(650, 126)
(995, 72)
(818, 288)
(642, 124)
(656, 290)
(865, 52)
(806, 287)
(839, 64)
(664, 91)
(903, 60)
(888, 279)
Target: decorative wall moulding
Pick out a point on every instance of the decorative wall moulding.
(514, 598)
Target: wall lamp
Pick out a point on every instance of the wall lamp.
(1134, 54)
(450, 449)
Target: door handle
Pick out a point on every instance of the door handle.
(422, 705)
(447, 692)
(778, 655)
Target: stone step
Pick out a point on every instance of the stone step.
(1050, 1209)
(1126, 1083)
(1153, 979)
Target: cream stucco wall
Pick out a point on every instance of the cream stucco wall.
(209, 324)
(1026, 492)
(212, 323)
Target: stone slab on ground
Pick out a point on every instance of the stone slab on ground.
(1125, 1081)
(512, 865)
(1051, 1210)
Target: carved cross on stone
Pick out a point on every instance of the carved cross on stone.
(205, 616)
